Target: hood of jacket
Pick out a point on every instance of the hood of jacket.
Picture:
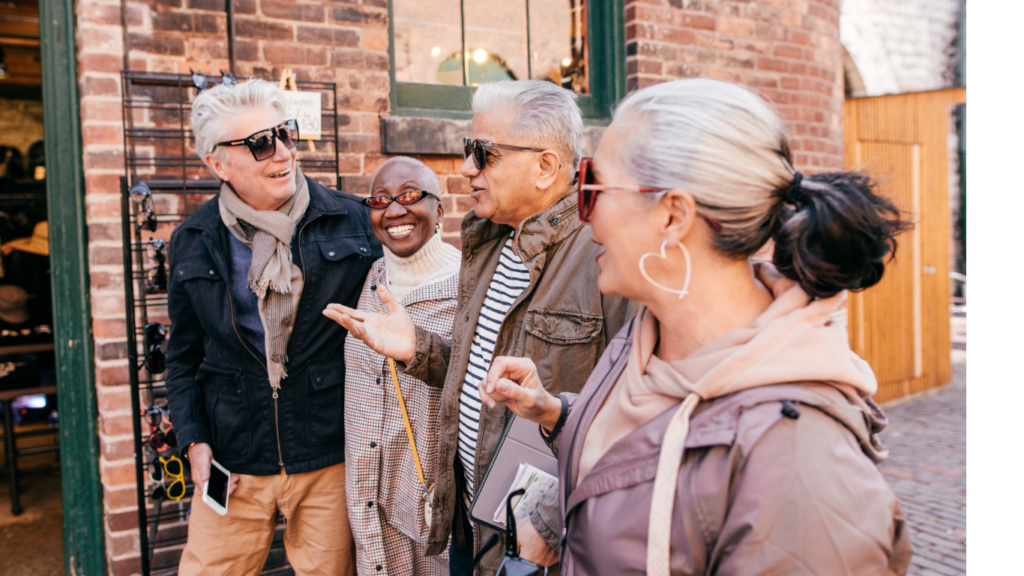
(796, 339)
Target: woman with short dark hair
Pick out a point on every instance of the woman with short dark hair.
(728, 429)
(387, 480)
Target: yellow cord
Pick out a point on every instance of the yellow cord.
(405, 416)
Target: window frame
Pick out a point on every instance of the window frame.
(605, 44)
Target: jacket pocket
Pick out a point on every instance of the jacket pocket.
(564, 346)
(402, 494)
(195, 268)
(325, 408)
(337, 249)
(228, 408)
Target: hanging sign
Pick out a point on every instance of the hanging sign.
(304, 107)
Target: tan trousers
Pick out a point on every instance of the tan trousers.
(317, 540)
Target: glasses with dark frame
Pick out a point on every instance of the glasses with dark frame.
(381, 202)
(263, 144)
(156, 281)
(145, 214)
(155, 359)
(478, 149)
(513, 564)
(589, 190)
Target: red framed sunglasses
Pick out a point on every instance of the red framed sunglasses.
(589, 190)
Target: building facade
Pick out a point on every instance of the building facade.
(403, 71)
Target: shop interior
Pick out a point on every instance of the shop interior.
(31, 523)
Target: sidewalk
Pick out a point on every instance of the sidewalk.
(927, 468)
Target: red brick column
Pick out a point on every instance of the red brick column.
(788, 50)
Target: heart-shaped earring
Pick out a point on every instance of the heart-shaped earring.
(663, 256)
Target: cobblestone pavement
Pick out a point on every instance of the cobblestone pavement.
(927, 468)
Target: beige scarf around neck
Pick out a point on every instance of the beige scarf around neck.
(273, 277)
(794, 340)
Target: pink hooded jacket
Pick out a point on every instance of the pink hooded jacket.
(778, 465)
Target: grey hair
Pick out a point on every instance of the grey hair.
(213, 106)
(725, 145)
(720, 142)
(431, 183)
(546, 114)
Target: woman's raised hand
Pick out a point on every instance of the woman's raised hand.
(392, 334)
(515, 383)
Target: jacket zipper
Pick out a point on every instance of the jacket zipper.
(556, 219)
(277, 428)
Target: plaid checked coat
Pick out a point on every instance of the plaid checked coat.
(385, 497)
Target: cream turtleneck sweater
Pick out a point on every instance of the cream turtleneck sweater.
(434, 262)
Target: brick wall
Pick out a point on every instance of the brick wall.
(788, 50)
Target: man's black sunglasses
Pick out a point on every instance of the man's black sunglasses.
(263, 144)
(478, 150)
(405, 198)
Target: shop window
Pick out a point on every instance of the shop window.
(442, 49)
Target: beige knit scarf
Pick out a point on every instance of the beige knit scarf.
(795, 340)
(273, 277)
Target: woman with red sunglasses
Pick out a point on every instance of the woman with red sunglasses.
(391, 441)
(728, 428)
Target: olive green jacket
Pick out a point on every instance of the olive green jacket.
(561, 321)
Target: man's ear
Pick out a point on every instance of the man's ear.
(549, 164)
(217, 166)
(682, 215)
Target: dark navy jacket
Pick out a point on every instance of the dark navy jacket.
(217, 384)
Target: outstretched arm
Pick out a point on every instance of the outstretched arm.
(392, 334)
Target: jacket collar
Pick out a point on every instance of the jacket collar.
(534, 235)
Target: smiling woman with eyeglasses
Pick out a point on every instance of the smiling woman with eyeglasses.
(391, 418)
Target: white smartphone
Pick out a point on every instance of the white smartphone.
(215, 491)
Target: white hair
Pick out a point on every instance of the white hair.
(717, 140)
(213, 106)
(429, 182)
(546, 114)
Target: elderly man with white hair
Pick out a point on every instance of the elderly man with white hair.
(255, 371)
(527, 287)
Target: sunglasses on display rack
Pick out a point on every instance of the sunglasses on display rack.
(199, 80)
(157, 278)
(263, 144)
(171, 465)
(176, 489)
(478, 149)
(145, 215)
(589, 190)
(155, 360)
(405, 198)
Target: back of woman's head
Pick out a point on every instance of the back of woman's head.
(725, 145)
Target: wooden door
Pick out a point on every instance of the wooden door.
(901, 325)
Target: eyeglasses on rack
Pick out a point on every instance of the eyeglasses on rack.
(145, 214)
(156, 280)
(155, 360)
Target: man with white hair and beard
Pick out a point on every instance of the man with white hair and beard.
(527, 287)
(255, 372)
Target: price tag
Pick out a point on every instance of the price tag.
(305, 107)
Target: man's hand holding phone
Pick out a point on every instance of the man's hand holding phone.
(199, 456)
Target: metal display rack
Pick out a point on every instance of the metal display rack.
(160, 153)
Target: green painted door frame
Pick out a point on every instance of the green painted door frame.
(84, 541)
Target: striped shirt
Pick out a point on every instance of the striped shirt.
(510, 279)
